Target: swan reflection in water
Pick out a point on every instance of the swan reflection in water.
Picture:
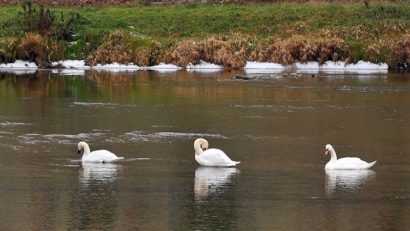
(98, 172)
(347, 180)
(97, 199)
(211, 181)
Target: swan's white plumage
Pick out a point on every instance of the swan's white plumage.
(346, 162)
(211, 157)
(100, 156)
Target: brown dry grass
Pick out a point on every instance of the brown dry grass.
(115, 48)
(230, 52)
(221, 52)
(377, 52)
(122, 47)
(142, 57)
(300, 49)
(8, 50)
(159, 54)
(33, 47)
(400, 53)
(185, 53)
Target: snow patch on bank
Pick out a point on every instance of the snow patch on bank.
(19, 67)
(117, 66)
(18, 64)
(361, 66)
(71, 64)
(329, 66)
(307, 66)
(78, 67)
(263, 68)
(203, 66)
(163, 67)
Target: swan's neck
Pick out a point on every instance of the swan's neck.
(333, 156)
(198, 149)
(86, 150)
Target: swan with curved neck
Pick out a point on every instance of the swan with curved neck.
(98, 156)
(346, 162)
(211, 157)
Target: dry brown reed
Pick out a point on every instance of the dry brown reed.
(376, 52)
(123, 47)
(222, 53)
(400, 54)
(116, 47)
(142, 57)
(228, 53)
(300, 49)
(186, 52)
(8, 49)
(159, 54)
(33, 47)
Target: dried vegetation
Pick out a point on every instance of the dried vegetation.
(400, 54)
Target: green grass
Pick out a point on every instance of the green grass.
(256, 19)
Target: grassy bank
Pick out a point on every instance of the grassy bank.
(224, 34)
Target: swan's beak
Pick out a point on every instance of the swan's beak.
(79, 152)
(326, 152)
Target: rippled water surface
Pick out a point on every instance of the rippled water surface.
(277, 126)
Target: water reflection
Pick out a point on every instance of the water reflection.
(98, 173)
(54, 112)
(211, 181)
(215, 199)
(347, 180)
(98, 201)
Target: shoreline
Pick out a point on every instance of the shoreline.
(78, 67)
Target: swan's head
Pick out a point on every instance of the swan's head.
(328, 148)
(81, 145)
(200, 145)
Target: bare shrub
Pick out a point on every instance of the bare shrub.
(45, 22)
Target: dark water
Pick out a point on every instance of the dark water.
(276, 127)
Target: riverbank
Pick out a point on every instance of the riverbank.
(225, 35)
(79, 67)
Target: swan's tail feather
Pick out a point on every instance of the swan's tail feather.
(371, 164)
(119, 158)
(234, 163)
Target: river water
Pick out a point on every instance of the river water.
(276, 126)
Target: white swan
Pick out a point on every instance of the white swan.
(100, 156)
(346, 162)
(211, 157)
